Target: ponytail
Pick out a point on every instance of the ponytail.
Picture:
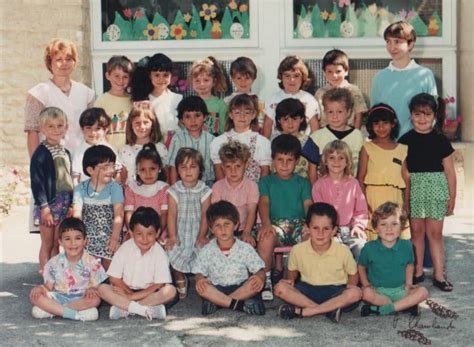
(149, 152)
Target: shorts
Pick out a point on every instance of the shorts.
(394, 294)
(59, 208)
(320, 294)
(227, 290)
(64, 299)
(428, 195)
(289, 231)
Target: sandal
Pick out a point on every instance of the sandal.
(287, 311)
(445, 286)
(418, 279)
(182, 291)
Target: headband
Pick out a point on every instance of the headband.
(376, 108)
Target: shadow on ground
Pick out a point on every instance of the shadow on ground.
(185, 325)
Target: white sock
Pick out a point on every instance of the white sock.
(135, 307)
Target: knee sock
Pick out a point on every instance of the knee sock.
(135, 307)
(387, 309)
(236, 305)
(69, 313)
(268, 277)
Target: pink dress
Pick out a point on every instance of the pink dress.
(147, 195)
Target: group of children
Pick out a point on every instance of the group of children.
(152, 177)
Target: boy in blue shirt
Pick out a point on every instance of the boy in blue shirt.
(386, 266)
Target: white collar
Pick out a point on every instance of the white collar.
(411, 65)
(147, 190)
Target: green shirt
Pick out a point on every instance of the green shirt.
(286, 196)
(386, 267)
(217, 109)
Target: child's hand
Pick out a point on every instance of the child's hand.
(38, 291)
(46, 217)
(170, 243)
(119, 290)
(201, 242)
(256, 283)
(246, 237)
(451, 203)
(202, 285)
(123, 175)
(360, 234)
(264, 231)
(91, 293)
(113, 244)
(410, 286)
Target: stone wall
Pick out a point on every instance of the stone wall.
(26, 26)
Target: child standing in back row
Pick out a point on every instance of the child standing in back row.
(243, 73)
(208, 81)
(116, 102)
(432, 184)
(336, 69)
(294, 77)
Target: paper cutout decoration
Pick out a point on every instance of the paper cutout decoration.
(419, 25)
(113, 32)
(236, 31)
(195, 28)
(334, 22)
(226, 23)
(319, 28)
(350, 27)
(383, 21)
(162, 25)
(435, 25)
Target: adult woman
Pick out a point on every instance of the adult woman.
(60, 91)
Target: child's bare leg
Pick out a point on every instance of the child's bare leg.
(265, 249)
(215, 296)
(179, 279)
(418, 238)
(166, 294)
(244, 292)
(47, 245)
(434, 230)
(105, 263)
(371, 296)
(347, 297)
(412, 298)
(292, 295)
(107, 293)
(49, 305)
(55, 249)
(84, 303)
(279, 262)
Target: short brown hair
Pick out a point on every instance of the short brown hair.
(401, 30)
(234, 150)
(56, 46)
(386, 210)
(187, 153)
(336, 57)
(293, 62)
(339, 95)
(119, 62)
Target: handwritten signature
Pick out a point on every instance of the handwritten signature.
(415, 322)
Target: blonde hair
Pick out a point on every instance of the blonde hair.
(211, 67)
(234, 150)
(56, 46)
(51, 113)
(339, 147)
(386, 210)
(142, 108)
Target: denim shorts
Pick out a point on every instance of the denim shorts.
(320, 294)
(64, 299)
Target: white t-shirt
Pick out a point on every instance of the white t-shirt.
(80, 96)
(311, 106)
(140, 271)
(263, 153)
(128, 155)
(165, 107)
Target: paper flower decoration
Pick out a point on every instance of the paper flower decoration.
(324, 15)
(343, 3)
(177, 31)
(243, 8)
(127, 13)
(187, 17)
(208, 12)
(151, 32)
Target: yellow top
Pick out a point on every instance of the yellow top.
(330, 268)
(384, 166)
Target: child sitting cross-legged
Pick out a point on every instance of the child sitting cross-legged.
(328, 272)
(284, 200)
(70, 278)
(140, 279)
(386, 266)
(223, 266)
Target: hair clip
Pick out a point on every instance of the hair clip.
(141, 103)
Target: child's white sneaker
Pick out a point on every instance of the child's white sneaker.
(38, 313)
(156, 312)
(117, 313)
(267, 293)
(88, 315)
